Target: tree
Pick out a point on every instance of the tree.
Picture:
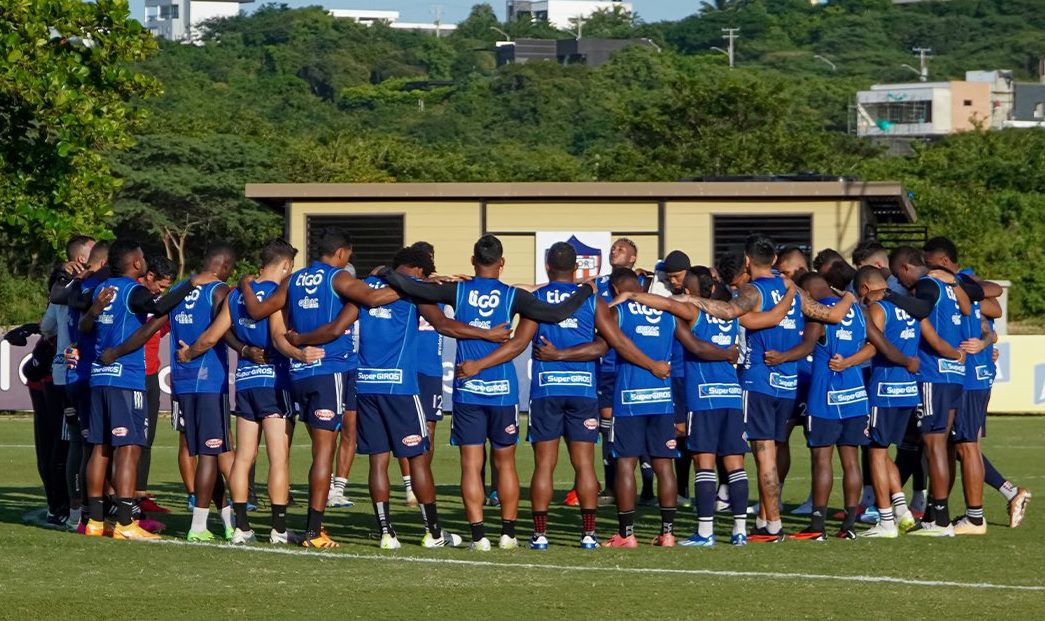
(612, 23)
(66, 89)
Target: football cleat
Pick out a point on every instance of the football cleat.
(508, 543)
(390, 542)
(448, 540)
(322, 541)
(538, 542)
(647, 502)
(229, 532)
(616, 541)
(696, 541)
(721, 505)
(1018, 507)
(336, 500)
(242, 537)
(870, 516)
(411, 499)
(963, 526)
(149, 505)
(607, 499)
(285, 538)
(94, 528)
(480, 545)
(845, 533)
(153, 526)
(493, 500)
(203, 536)
(571, 499)
(589, 542)
(684, 502)
(133, 532)
(664, 540)
(907, 522)
(738, 539)
(762, 535)
(881, 531)
(190, 502)
(807, 534)
(931, 529)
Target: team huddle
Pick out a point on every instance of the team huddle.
(686, 367)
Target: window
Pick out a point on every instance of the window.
(375, 239)
(901, 112)
(967, 102)
(169, 11)
(730, 232)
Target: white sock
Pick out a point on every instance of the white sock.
(760, 523)
(408, 483)
(888, 519)
(774, 526)
(199, 519)
(899, 505)
(723, 492)
(705, 527)
(226, 516)
(1008, 490)
(340, 483)
(740, 525)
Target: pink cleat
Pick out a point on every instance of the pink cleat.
(152, 526)
(616, 541)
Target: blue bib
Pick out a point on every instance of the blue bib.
(946, 318)
(780, 380)
(891, 385)
(249, 374)
(838, 394)
(387, 347)
(192, 316)
(638, 392)
(712, 384)
(312, 303)
(485, 303)
(564, 379)
(114, 325)
(429, 348)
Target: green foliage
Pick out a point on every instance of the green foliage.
(65, 88)
(22, 298)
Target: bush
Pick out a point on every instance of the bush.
(22, 298)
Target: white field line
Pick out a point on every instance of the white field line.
(789, 576)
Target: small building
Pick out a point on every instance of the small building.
(391, 19)
(559, 13)
(923, 109)
(591, 52)
(180, 20)
(705, 218)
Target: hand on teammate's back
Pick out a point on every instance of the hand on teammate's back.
(546, 352)
(913, 364)
(734, 354)
(773, 357)
(312, 354)
(468, 368)
(499, 333)
(256, 355)
(662, 369)
(973, 345)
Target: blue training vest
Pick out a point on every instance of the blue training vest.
(387, 347)
(250, 375)
(429, 348)
(192, 316)
(712, 384)
(834, 394)
(891, 385)
(485, 303)
(755, 376)
(564, 379)
(638, 392)
(946, 318)
(312, 303)
(113, 326)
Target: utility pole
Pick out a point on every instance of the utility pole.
(924, 54)
(580, 27)
(731, 36)
(437, 11)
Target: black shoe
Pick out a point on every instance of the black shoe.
(846, 533)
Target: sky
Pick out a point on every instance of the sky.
(456, 10)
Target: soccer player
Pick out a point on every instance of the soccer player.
(893, 394)
(313, 298)
(262, 391)
(971, 419)
(486, 405)
(873, 253)
(118, 418)
(942, 374)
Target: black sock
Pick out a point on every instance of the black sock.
(817, 518)
(383, 521)
(478, 530)
(240, 509)
(667, 520)
(851, 513)
(646, 470)
(940, 513)
(626, 523)
(124, 507)
(96, 508)
(279, 518)
(431, 517)
(508, 527)
(314, 523)
(974, 515)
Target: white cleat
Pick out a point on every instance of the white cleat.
(242, 537)
(336, 499)
(721, 506)
(964, 526)
(931, 529)
(482, 545)
(508, 543)
(1018, 507)
(448, 540)
(390, 542)
(881, 531)
(286, 538)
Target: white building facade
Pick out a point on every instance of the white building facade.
(391, 19)
(180, 20)
(559, 13)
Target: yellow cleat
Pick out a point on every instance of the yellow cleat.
(322, 541)
(95, 529)
(133, 532)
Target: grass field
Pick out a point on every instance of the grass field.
(47, 574)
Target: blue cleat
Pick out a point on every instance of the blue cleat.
(738, 539)
(538, 542)
(589, 542)
(696, 541)
(191, 502)
(493, 500)
(870, 516)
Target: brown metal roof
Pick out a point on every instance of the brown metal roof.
(885, 193)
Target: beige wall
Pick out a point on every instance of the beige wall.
(964, 118)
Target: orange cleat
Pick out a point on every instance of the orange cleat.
(665, 540)
(95, 528)
(571, 499)
(133, 532)
(322, 541)
(616, 541)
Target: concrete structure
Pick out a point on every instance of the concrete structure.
(559, 13)
(702, 218)
(391, 19)
(591, 52)
(180, 20)
(923, 109)
(1028, 106)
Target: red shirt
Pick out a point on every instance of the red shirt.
(152, 351)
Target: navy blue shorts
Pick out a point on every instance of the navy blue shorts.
(889, 425)
(430, 391)
(971, 418)
(475, 424)
(678, 396)
(719, 431)
(835, 432)
(257, 404)
(118, 417)
(638, 436)
(937, 401)
(765, 417)
(321, 399)
(206, 417)
(391, 423)
(79, 395)
(801, 402)
(607, 384)
(349, 390)
(573, 418)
